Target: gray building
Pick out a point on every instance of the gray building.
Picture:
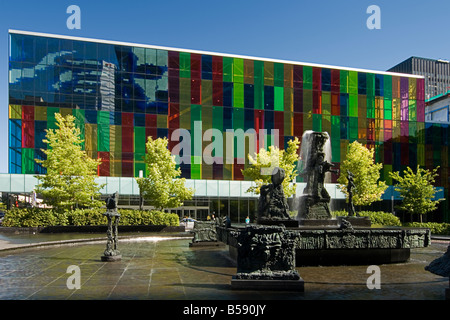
(436, 73)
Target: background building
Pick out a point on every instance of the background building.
(120, 93)
(435, 72)
(437, 108)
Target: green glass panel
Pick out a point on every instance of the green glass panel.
(259, 94)
(317, 122)
(227, 171)
(196, 167)
(353, 82)
(217, 118)
(268, 73)
(307, 77)
(185, 65)
(288, 99)
(307, 101)
(27, 160)
(370, 82)
(103, 137)
(335, 150)
(238, 119)
(370, 103)
(326, 123)
(238, 95)
(185, 116)
(238, 70)
(139, 140)
(326, 103)
(343, 81)
(353, 128)
(279, 98)
(227, 69)
(307, 122)
(335, 127)
(388, 109)
(353, 105)
(278, 75)
(207, 118)
(412, 110)
(387, 86)
(196, 131)
(185, 90)
(207, 93)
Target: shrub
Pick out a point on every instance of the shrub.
(435, 227)
(38, 217)
(376, 217)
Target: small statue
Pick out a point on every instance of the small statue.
(111, 253)
(350, 187)
(272, 203)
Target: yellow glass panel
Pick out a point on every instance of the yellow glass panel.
(15, 111)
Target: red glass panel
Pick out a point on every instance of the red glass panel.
(298, 125)
(335, 81)
(196, 66)
(237, 173)
(298, 99)
(217, 69)
(151, 120)
(317, 102)
(174, 115)
(335, 105)
(127, 119)
(174, 88)
(127, 139)
(317, 78)
(27, 134)
(127, 164)
(103, 168)
(28, 113)
(298, 76)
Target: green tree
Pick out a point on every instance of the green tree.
(266, 160)
(162, 188)
(360, 162)
(416, 190)
(70, 179)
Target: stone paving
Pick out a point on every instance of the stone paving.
(166, 268)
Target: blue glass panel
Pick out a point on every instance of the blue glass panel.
(39, 134)
(15, 160)
(206, 67)
(249, 96)
(362, 83)
(268, 97)
(227, 118)
(15, 133)
(228, 94)
(139, 119)
(91, 116)
(326, 79)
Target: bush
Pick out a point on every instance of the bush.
(376, 217)
(435, 227)
(38, 217)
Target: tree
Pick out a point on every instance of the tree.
(266, 160)
(162, 188)
(70, 179)
(366, 173)
(416, 190)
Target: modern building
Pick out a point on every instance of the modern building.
(121, 93)
(435, 72)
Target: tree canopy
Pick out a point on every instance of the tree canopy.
(70, 178)
(163, 187)
(360, 161)
(416, 190)
(265, 161)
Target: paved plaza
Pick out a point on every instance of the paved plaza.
(165, 267)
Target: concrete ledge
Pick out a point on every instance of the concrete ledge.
(206, 244)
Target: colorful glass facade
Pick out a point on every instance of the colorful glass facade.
(121, 93)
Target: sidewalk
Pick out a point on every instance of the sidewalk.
(164, 267)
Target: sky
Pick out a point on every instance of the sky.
(325, 32)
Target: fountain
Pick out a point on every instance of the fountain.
(318, 238)
(314, 203)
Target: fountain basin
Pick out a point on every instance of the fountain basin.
(334, 246)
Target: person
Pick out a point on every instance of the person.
(247, 220)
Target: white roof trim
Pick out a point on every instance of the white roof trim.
(39, 34)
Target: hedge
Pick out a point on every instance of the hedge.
(435, 227)
(376, 217)
(38, 217)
